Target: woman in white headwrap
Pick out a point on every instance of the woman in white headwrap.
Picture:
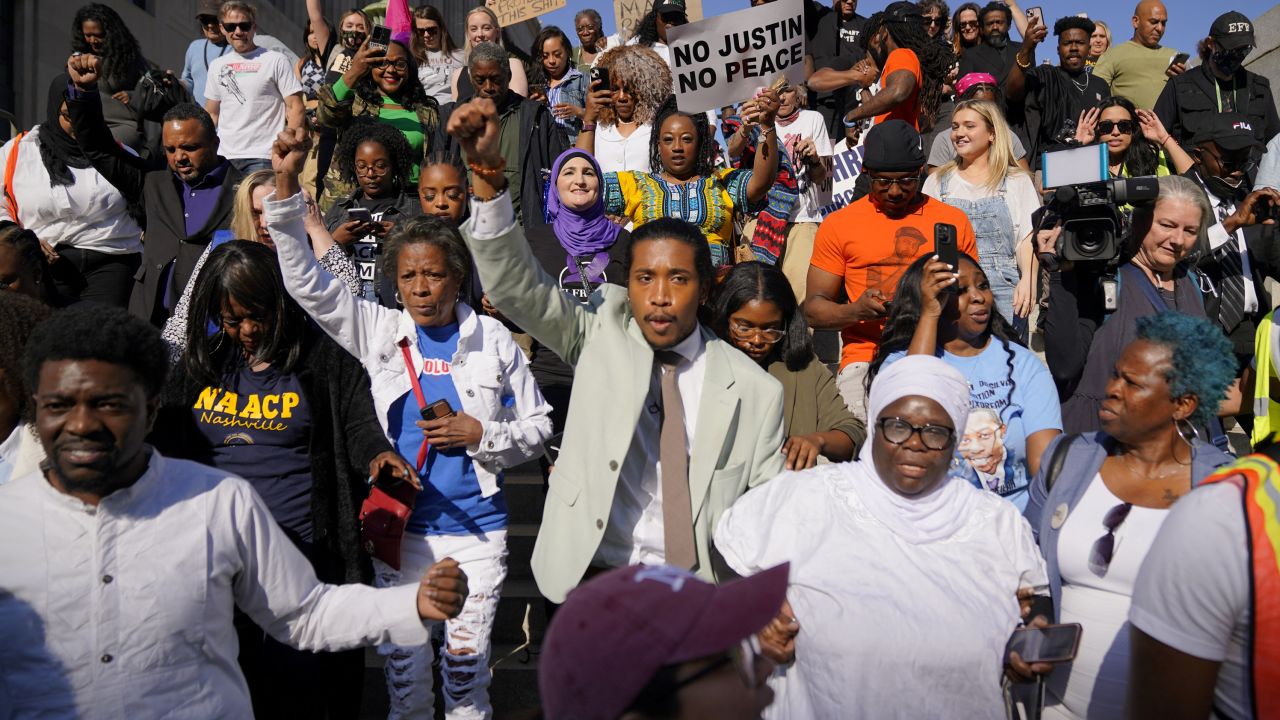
(905, 583)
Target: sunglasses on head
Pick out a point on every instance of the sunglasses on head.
(1125, 127)
(245, 26)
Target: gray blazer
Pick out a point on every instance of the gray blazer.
(1083, 461)
(737, 437)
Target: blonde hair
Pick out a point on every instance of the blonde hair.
(245, 8)
(243, 226)
(492, 16)
(1106, 30)
(1000, 160)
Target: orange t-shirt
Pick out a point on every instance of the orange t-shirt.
(869, 250)
(903, 59)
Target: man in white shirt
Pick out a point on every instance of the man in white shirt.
(120, 569)
(251, 92)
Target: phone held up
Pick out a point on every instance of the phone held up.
(944, 245)
(1035, 15)
(600, 75)
(380, 38)
(1048, 644)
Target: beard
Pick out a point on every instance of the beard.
(997, 40)
(100, 479)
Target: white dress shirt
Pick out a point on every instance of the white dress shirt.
(124, 610)
(90, 214)
(1218, 236)
(635, 530)
(616, 153)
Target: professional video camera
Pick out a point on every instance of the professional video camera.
(1087, 203)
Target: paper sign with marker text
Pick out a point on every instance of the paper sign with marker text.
(511, 12)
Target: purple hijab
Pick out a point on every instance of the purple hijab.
(585, 233)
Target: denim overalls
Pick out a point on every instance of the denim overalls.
(993, 233)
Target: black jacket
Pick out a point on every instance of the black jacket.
(345, 437)
(541, 142)
(1192, 97)
(169, 254)
(406, 206)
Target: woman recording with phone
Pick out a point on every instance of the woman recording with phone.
(451, 389)
(1090, 319)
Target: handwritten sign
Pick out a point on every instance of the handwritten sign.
(846, 165)
(722, 60)
(512, 12)
(627, 14)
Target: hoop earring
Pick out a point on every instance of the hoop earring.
(1186, 431)
(399, 299)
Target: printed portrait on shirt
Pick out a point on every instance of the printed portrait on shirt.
(981, 454)
(883, 275)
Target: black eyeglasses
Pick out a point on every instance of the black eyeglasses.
(934, 20)
(1126, 127)
(398, 64)
(1105, 547)
(245, 26)
(898, 431)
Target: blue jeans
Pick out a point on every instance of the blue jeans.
(249, 165)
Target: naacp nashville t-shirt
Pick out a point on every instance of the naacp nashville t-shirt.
(258, 425)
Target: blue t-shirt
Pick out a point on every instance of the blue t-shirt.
(1007, 406)
(258, 425)
(450, 502)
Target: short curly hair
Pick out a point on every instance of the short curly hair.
(1203, 364)
(1073, 22)
(433, 231)
(362, 130)
(89, 331)
(644, 74)
(19, 316)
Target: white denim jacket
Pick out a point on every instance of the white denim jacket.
(487, 367)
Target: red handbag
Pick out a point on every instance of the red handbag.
(384, 514)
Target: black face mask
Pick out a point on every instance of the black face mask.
(353, 38)
(1224, 190)
(1228, 61)
(998, 40)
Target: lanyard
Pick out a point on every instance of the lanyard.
(206, 53)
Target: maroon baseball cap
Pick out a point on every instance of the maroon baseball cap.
(616, 630)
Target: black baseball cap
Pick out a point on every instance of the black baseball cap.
(672, 6)
(1232, 30)
(1231, 131)
(893, 146)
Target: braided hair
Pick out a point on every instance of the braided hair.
(122, 61)
(704, 163)
(935, 59)
(904, 315)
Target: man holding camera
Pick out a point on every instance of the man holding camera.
(1242, 244)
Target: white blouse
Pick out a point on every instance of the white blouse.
(617, 154)
(90, 214)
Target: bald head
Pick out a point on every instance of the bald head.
(1149, 21)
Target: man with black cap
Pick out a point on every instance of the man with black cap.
(1242, 239)
(863, 249)
(201, 52)
(656, 641)
(1220, 84)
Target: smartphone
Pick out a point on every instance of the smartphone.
(359, 213)
(1048, 644)
(1179, 59)
(1035, 15)
(436, 410)
(601, 75)
(380, 38)
(944, 244)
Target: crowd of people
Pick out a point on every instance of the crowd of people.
(274, 326)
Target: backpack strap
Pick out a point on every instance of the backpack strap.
(11, 166)
(1058, 459)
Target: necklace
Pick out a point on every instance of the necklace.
(1081, 86)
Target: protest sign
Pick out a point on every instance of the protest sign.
(716, 62)
(846, 165)
(627, 14)
(511, 12)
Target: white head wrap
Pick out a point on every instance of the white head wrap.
(942, 512)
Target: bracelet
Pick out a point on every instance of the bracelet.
(487, 172)
(496, 195)
(850, 125)
(588, 127)
(769, 130)
(1018, 59)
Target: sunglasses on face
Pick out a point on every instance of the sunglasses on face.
(898, 431)
(1126, 127)
(245, 26)
(430, 30)
(1231, 163)
(968, 25)
(207, 20)
(934, 20)
(906, 183)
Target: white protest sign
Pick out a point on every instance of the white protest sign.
(846, 165)
(511, 12)
(716, 62)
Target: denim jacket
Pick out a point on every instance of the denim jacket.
(487, 367)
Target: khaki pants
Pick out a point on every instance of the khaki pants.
(795, 254)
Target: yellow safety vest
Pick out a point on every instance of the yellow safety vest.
(1266, 412)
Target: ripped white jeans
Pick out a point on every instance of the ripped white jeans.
(464, 656)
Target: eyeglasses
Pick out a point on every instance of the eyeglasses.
(968, 25)
(1104, 548)
(745, 657)
(898, 431)
(429, 30)
(1230, 163)
(906, 183)
(742, 331)
(1126, 127)
(377, 168)
(928, 20)
(398, 64)
(245, 26)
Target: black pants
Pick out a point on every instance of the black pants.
(288, 683)
(90, 276)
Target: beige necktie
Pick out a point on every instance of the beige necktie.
(677, 512)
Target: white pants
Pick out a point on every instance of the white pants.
(464, 654)
(851, 382)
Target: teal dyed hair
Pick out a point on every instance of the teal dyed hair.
(1203, 361)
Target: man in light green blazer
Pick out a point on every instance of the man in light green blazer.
(603, 510)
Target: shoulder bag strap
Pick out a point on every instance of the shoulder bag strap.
(11, 166)
(1148, 289)
(1057, 460)
(422, 399)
